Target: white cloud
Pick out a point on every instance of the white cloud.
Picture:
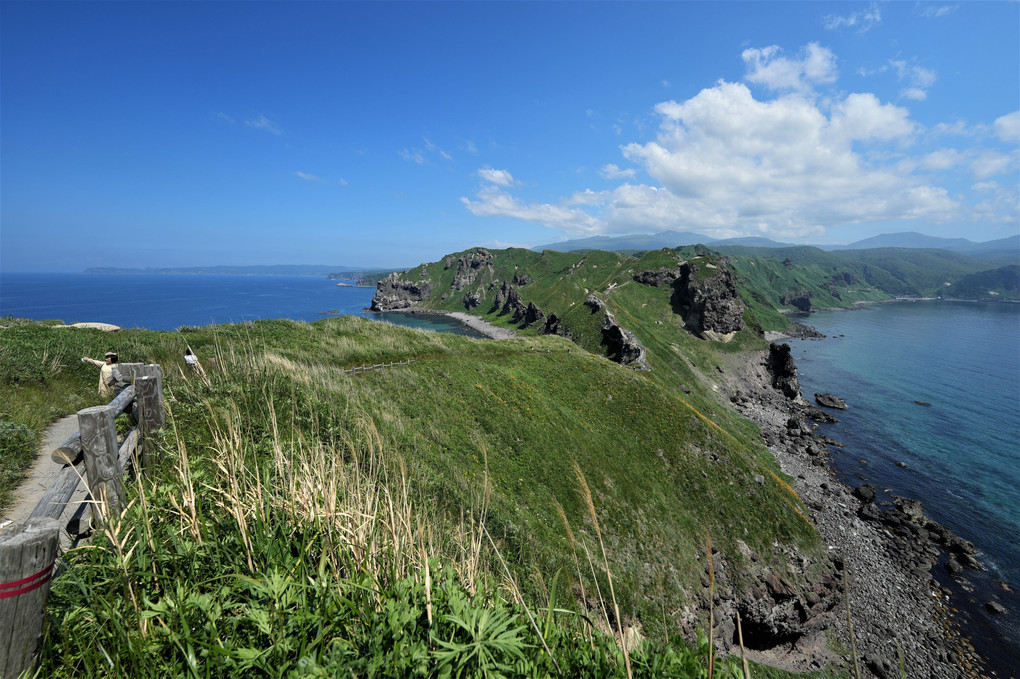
(766, 66)
(726, 163)
(1007, 127)
(413, 156)
(470, 147)
(943, 159)
(862, 21)
(991, 163)
(263, 123)
(613, 171)
(918, 79)
(494, 202)
(863, 117)
(342, 181)
(308, 177)
(937, 12)
(497, 177)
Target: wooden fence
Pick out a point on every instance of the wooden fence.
(28, 556)
(377, 366)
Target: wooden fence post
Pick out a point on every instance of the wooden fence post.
(99, 442)
(26, 564)
(150, 416)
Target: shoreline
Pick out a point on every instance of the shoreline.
(475, 323)
(893, 595)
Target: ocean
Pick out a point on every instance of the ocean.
(167, 302)
(961, 453)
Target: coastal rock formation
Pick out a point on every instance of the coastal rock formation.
(706, 296)
(594, 303)
(658, 277)
(522, 279)
(394, 293)
(801, 300)
(783, 370)
(830, 401)
(469, 267)
(623, 345)
(472, 299)
(528, 314)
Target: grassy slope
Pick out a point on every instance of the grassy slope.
(526, 409)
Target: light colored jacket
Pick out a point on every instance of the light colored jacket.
(108, 376)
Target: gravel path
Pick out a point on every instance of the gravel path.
(488, 329)
(40, 476)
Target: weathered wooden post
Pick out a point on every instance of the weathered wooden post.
(99, 443)
(151, 418)
(26, 564)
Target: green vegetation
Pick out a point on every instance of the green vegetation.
(305, 520)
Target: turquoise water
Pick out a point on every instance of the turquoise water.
(962, 454)
(166, 302)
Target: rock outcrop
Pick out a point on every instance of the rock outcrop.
(622, 344)
(830, 401)
(469, 266)
(393, 292)
(528, 314)
(658, 277)
(706, 296)
(783, 370)
(801, 300)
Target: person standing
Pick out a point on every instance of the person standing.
(108, 373)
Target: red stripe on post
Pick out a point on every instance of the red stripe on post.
(26, 585)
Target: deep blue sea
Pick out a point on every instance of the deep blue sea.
(962, 453)
(166, 302)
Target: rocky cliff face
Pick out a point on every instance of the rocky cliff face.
(800, 299)
(393, 292)
(706, 296)
(469, 267)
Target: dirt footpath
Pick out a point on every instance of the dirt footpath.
(40, 476)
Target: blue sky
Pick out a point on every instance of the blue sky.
(387, 134)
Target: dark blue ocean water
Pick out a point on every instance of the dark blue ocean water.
(962, 453)
(166, 302)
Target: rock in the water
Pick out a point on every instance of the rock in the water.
(830, 401)
(865, 493)
(995, 608)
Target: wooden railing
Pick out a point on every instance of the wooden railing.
(28, 554)
(377, 366)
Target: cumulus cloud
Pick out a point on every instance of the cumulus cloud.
(263, 123)
(863, 20)
(767, 66)
(1007, 128)
(613, 171)
(497, 177)
(789, 166)
(493, 201)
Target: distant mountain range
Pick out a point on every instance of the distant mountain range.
(1006, 249)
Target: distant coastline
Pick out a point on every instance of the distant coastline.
(257, 270)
